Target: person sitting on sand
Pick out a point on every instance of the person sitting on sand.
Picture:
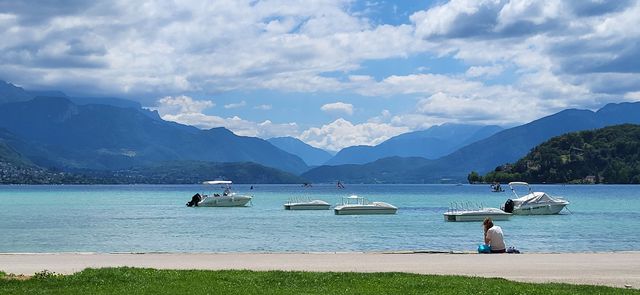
(493, 236)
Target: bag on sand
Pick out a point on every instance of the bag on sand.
(513, 250)
(484, 249)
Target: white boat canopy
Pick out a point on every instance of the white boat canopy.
(218, 182)
(537, 197)
(518, 183)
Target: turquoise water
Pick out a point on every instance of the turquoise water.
(153, 218)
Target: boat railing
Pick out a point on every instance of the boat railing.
(456, 206)
(355, 200)
(298, 199)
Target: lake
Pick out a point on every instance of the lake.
(154, 218)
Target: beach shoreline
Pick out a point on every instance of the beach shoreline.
(616, 269)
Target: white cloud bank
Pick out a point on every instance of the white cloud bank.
(337, 108)
(557, 54)
(342, 133)
(235, 105)
(185, 110)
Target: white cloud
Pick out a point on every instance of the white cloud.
(338, 107)
(633, 96)
(342, 133)
(536, 12)
(182, 104)
(573, 44)
(235, 105)
(484, 71)
(440, 19)
(415, 84)
(264, 107)
(477, 109)
(170, 47)
(185, 110)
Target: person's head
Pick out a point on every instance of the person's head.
(488, 223)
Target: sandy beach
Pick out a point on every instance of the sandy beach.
(611, 269)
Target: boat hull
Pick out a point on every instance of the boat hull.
(364, 211)
(225, 201)
(476, 217)
(542, 209)
(307, 206)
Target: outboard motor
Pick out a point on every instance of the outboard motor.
(508, 206)
(194, 200)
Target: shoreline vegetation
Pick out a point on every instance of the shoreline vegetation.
(177, 172)
(126, 280)
(609, 155)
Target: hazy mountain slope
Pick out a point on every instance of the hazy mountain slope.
(8, 154)
(511, 144)
(12, 93)
(97, 136)
(312, 156)
(387, 170)
(432, 143)
(190, 172)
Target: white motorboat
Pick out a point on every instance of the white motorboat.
(533, 203)
(354, 205)
(475, 214)
(306, 204)
(226, 199)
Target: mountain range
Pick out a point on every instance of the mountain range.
(432, 143)
(484, 155)
(49, 130)
(111, 134)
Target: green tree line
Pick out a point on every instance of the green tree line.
(606, 155)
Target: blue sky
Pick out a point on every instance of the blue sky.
(333, 73)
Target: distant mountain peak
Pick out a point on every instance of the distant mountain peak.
(12, 93)
(431, 143)
(312, 156)
(102, 137)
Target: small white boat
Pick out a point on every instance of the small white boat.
(297, 204)
(533, 203)
(354, 205)
(226, 199)
(476, 214)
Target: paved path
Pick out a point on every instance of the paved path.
(611, 269)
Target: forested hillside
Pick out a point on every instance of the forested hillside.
(606, 155)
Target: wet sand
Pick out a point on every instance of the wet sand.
(611, 269)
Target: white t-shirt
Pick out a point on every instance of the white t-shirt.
(496, 238)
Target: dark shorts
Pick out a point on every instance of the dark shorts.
(499, 251)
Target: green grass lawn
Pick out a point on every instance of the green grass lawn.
(152, 281)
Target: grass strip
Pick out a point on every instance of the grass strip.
(125, 280)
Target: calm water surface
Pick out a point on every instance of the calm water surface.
(153, 218)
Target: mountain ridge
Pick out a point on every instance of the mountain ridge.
(312, 156)
(431, 143)
(507, 145)
(96, 136)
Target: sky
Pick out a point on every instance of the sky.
(332, 73)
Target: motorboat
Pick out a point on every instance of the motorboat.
(355, 205)
(533, 203)
(226, 199)
(306, 204)
(460, 212)
(496, 188)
